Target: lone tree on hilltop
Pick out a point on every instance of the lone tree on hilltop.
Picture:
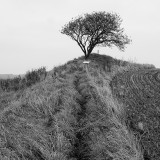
(96, 29)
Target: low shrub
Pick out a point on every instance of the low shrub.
(30, 78)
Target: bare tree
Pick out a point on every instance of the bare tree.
(96, 29)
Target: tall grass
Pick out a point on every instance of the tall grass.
(69, 113)
(111, 136)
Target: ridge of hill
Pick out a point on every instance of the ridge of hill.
(94, 111)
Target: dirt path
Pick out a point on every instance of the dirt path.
(81, 148)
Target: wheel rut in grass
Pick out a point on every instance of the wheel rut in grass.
(81, 148)
(139, 91)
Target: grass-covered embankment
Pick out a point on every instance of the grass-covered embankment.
(70, 115)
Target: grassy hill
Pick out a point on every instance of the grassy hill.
(105, 110)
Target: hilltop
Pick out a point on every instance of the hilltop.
(107, 109)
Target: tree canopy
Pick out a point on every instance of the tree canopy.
(96, 29)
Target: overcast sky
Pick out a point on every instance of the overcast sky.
(30, 32)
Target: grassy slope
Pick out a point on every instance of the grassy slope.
(139, 91)
(71, 115)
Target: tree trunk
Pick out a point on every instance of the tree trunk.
(87, 56)
(88, 51)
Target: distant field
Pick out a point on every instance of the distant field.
(7, 76)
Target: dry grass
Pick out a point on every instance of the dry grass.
(138, 90)
(70, 115)
(110, 137)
